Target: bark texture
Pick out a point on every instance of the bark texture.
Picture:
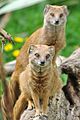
(59, 109)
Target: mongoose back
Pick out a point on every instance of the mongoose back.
(52, 33)
(39, 81)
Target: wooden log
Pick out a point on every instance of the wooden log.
(9, 67)
(59, 109)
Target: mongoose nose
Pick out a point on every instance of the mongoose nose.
(57, 22)
(42, 63)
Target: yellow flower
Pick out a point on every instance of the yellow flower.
(15, 53)
(8, 47)
(18, 39)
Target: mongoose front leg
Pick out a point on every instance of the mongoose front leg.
(45, 100)
(30, 105)
(35, 98)
(19, 106)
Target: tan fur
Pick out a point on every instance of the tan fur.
(37, 85)
(49, 34)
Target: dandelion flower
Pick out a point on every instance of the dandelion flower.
(8, 47)
(18, 39)
(15, 53)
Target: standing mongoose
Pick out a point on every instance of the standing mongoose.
(38, 81)
(52, 33)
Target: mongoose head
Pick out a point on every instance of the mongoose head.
(55, 15)
(41, 55)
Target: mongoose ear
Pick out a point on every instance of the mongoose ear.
(46, 9)
(31, 48)
(65, 10)
(52, 50)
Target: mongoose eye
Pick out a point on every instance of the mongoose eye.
(47, 56)
(52, 14)
(61, 15)
(37, 55)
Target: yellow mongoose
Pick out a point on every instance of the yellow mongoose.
(52, 33)
(39, 80)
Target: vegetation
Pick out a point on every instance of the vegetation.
(23, 22)
(29, 19)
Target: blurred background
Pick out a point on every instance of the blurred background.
(21, 18)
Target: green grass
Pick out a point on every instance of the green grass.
(25, 20)
(29, 19)
(72, 31)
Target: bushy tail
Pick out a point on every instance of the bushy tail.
(11, 94)
(6, 100)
